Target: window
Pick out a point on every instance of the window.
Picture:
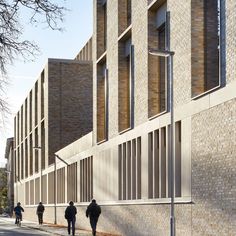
(205, 39)
(36, 104)
(37, 190)
(42, 145)
(86, 179)
(22, 162)
(159, 162)
(178, 161)
(26, 118)
(30, 110)
(21, 123)
(42, 94)
(102, 102)
(51, 186)
(36, 151)
(157, 82)
(44, 189)
(101, 27)
(61, 185)
(31, 155)
(31, 192)
(26, 158)
(124, 15)
(125, 84)
(27, 193)
(72, 182)
(129, 174)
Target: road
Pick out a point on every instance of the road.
(10, 229)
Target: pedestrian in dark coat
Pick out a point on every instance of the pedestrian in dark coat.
(18, 211)
(70, 215)
(39, 212)
(93, 212)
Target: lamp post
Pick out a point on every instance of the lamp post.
(41, 172)
(55, 185)
(170, 54)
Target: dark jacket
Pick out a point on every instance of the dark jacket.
(93, 210)
(70, 212)
(40, 208)
(18, 210)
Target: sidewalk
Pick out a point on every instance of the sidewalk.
(51, 228)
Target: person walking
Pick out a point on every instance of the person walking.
(70, 215)
(39, 212)
(18, 212)
(93, 212)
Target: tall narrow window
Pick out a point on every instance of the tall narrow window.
(18, 164)
(129, 170)
(86, 179)
(42, 94)
(26, 117)
(205, 39)
(18, 127)
(32, 192)
(31, 155)
(101, 27)
(124, 15)
(51, 187)
(22, 162)
(61, 185)
(125, 85)
(157, 84)
(44, 189)
(178, 161)
(42, 145)
(37, 190)
(36, 152)
(36, 103)
(128, 10)
(102, 102)
(27, 193)
(21, 123)
(30, 110)
(72, 182)
(26, 158)
(153, 164)
(159, 158)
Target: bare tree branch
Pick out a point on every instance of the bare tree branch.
(12, 45)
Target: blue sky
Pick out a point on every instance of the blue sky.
(53, 44)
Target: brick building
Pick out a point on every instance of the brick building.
(124, 163)
(56, 112)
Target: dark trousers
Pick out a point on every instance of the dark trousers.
(93, 223)
(19, 216)
(40, 217)
(71, 223)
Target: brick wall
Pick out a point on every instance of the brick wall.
(69, 103)
(214, 171)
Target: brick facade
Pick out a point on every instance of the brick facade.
(205, 178)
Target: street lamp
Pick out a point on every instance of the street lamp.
(55, 185)
(41, 172)
(170, 54)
